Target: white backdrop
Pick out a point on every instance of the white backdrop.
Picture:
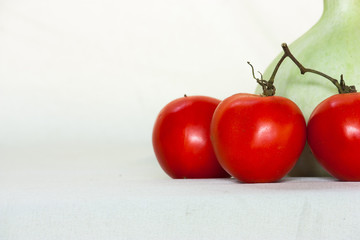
(81, 83)
(98, 72)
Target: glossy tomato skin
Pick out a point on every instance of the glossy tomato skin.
(334, 135)
(181, 138)
(258, 139)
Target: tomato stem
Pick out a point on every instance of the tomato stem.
(267, 86)
(341, 86)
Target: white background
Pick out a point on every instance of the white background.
(96, 73)
(81, 83)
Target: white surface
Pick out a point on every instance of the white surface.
(94, 207)
(99, 197)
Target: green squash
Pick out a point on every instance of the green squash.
(331, 46)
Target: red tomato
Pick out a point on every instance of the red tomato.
(258, 139)
(334, 135)
(181, 139)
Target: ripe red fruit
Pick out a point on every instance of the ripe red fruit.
(181, 139)
(334, 135)
(258, 138)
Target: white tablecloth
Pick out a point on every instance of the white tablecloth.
(87, 196)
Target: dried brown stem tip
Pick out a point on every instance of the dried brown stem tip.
(267, 86)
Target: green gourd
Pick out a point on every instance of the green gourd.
(331, 46)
